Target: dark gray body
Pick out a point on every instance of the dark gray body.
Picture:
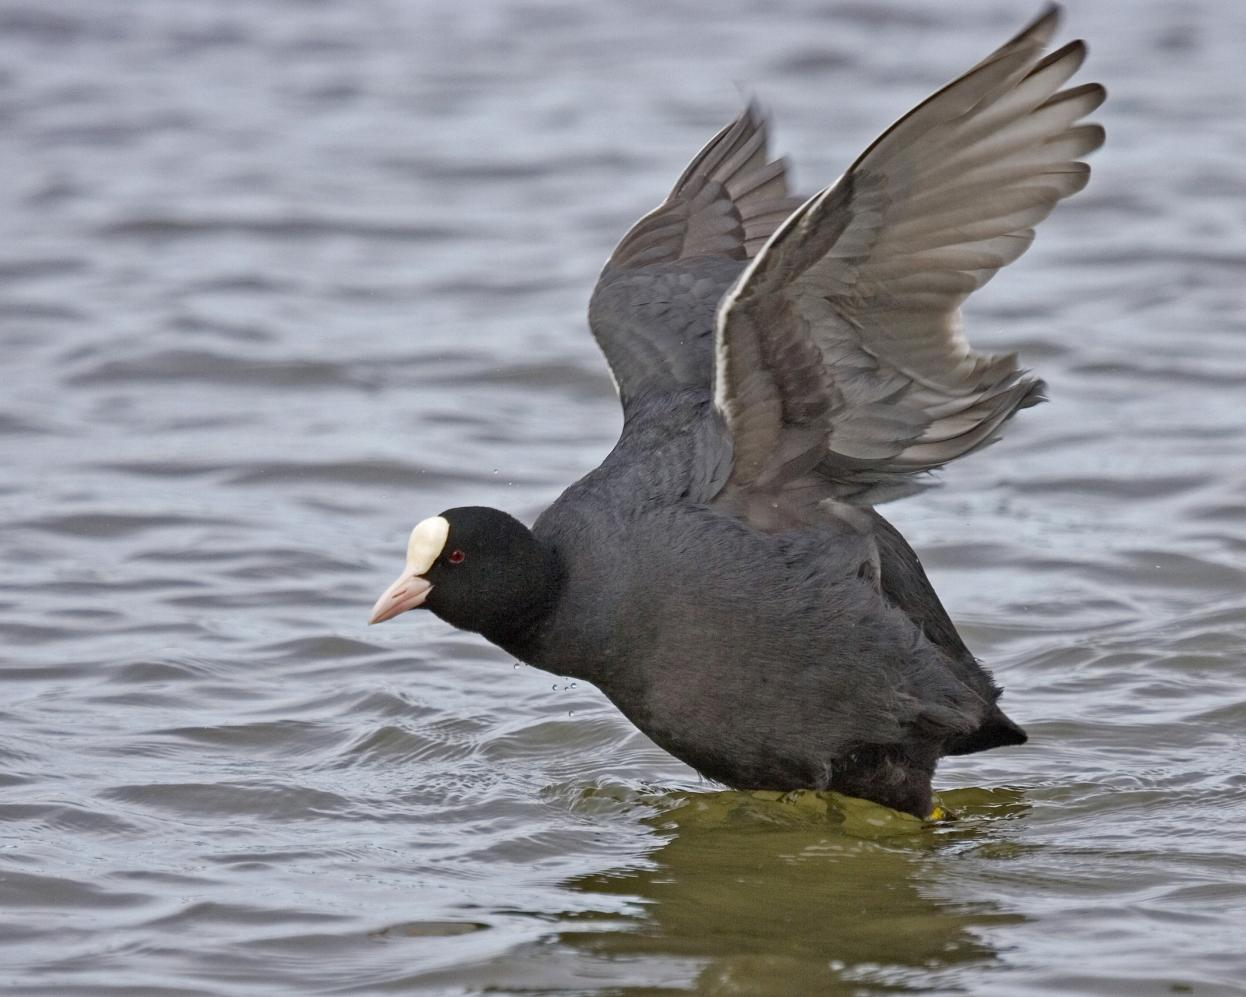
(763, 660)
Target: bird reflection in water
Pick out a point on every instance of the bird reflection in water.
(852, 895)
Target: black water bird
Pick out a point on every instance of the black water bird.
(784, 365)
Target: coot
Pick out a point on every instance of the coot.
(783, 366)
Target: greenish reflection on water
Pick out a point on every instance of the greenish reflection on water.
(763, 893)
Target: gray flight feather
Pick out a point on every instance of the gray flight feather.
(839, 349)
(653, 309)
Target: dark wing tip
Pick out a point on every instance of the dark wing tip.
(1095, 94)
(1035, 395)
(1075, 51)
(1043, 26)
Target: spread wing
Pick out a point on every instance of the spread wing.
(653, 310)
(839, 350)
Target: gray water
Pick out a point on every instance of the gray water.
(279, 278)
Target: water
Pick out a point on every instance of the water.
(281, 278)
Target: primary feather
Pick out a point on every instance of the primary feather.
(840, 347)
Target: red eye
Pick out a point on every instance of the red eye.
(457, 557)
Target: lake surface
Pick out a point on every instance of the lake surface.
(281, 278)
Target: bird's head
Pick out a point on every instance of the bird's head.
(478, 569)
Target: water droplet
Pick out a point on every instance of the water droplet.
(571, 713)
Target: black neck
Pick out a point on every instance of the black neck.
(518, 630)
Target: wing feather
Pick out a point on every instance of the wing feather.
(653, 310)
(856, 297)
